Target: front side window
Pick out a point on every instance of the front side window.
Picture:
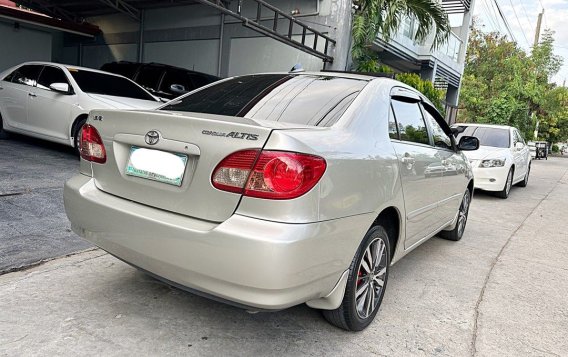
(51, 75)
(180, 79)
(411, 124)
(26, 75)
(315, 100)
(107, 84)
(441, 139)
(487, 136)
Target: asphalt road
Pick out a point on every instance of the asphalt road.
(500, 291)
(33, 224)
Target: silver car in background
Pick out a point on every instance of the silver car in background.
(271, 190)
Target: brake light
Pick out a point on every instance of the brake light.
(269, 174)
(91, 145)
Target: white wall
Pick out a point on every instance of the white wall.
(264, 54)
(96, 56)
(198, 55)
(23, 44)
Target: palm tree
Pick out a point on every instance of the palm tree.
(386, 16)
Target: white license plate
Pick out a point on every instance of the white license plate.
(156, 165)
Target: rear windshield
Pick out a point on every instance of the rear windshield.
(495, 137)
(100, 83)
(300, 99)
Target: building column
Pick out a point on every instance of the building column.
(341, 16)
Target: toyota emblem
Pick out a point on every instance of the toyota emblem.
(152, 137)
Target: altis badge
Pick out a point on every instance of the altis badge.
(232, 134)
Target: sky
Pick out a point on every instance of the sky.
(522, 18)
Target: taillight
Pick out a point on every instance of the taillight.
(91, 145)
(269, 174)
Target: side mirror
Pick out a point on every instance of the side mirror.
(468, 143)
(519, 145)
(60, 87)
(178, 89)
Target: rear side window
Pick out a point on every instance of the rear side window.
(150, 76)
(51, 75)
(26, 75)
(302, 99)
(411, 124)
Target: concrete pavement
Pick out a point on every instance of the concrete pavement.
(500, 291)
(33, 224)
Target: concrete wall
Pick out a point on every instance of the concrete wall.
(23, 44)
(194, 37)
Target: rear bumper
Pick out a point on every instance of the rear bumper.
(491, 178)
(247, 261)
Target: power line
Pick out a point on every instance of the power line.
(525, 12)
(519, 22)
(504, 20)
(494, 22)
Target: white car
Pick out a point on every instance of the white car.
(503, 158)
(52, 101)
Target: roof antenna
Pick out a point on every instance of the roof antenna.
(297, 68)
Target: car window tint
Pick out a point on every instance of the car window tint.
(124, 69)
(149, 77)
(411, 124)
(178, 77)
(487, 136)
(303, 99)
(441, 139)
(393, 129)
(50, 75)
(27, 75)
(101, 83)
(200, 80)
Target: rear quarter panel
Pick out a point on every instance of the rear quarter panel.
(362, 170)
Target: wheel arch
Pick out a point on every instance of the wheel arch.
(390, 220)
(76, 122)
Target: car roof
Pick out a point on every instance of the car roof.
(69, 67)
(485, 125)
(156, 64)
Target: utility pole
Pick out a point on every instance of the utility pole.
(539, 22)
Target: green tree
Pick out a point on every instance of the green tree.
(372, 17)
(502, 84)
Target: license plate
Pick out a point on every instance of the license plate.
(156, 165)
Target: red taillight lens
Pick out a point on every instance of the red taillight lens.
(276, 174)
(91, 145)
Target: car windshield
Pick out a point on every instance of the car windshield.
(495, 137)
(315, 100)
(101, 83)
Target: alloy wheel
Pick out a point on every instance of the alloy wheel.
(464, 207)
(509, 182)
(371, 275)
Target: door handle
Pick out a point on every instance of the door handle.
(32, 94)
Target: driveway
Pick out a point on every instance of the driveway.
(501, 290)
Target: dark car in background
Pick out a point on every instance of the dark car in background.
(162, 80)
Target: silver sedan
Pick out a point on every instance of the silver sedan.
(268, 191)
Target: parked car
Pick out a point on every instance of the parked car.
(51, 101)
(532, 149)
(268, 191)
(162, 80)
(502, 160)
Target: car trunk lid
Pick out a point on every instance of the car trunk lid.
(202, 139)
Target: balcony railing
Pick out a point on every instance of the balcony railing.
(456, 6)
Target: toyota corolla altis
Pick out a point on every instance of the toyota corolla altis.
(271, 190)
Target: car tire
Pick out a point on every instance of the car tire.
(508, 184)
(525, 181)
(463, 212)
(356, 312)
(76, 135)
(3, 133)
